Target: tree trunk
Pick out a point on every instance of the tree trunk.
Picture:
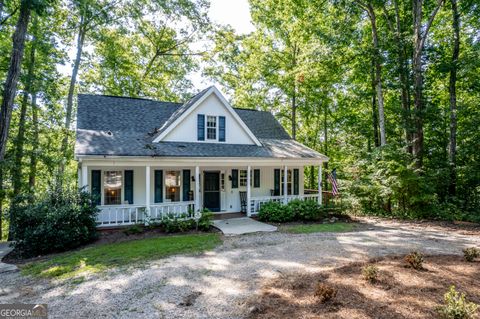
(294, 110)
(10, 87)
(453, 99)
(420, 33)
(20, 140)
(404, 78)
(69, 108)
(376, 139)
(378, 75)
(35, 140)
(325, 143)
(417, 147)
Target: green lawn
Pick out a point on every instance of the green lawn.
(318, 228)
(98, 258)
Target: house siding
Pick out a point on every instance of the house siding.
(230, 198)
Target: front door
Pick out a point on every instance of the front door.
(211, 191)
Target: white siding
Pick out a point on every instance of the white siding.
(186, 131)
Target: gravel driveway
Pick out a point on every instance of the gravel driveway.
(217, 283)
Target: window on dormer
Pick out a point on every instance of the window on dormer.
(211, 127)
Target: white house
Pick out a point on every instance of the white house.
(145, 159)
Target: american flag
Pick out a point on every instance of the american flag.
(332, 177)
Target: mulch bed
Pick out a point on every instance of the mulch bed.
(399, 292)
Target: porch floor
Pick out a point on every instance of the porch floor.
(243, 225)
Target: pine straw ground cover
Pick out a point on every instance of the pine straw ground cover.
(399, 292)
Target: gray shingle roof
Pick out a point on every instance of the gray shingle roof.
(108, 125)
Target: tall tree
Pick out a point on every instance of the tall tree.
(420, 32)
(91, 15)
(27, 91)
(10, 87)
(453, 97)
(369, 9)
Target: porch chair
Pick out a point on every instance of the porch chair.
(243, 202)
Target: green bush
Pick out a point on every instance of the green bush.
(275, 212)
(471, 253)
(456, 306)
(295, 210)
(414, 260)
(307, 210)
(58, 221)
(370, 273)
(205, 221)
(182, 223)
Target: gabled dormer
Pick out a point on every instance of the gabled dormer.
(206, 118)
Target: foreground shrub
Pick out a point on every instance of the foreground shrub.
(370, 273)
(182, 223)
(415, 260)
(295, 210)
(306, 210)
(205, 221)
(275, 212)
(456, 306)
(471, 253)
(58, 221)
(325, 292)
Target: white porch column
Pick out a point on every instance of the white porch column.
(84, 179)
(249, 169)
(285, 185)
(197, 188)
(320, 184)
(147, 194)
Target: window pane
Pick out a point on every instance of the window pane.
(211, 127)
(289, 182)
(243, 178)
(112, 186)
(172, 186)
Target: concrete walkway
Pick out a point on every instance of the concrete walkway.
(243, 225)
(4, 250)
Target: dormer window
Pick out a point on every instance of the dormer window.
(211, 127)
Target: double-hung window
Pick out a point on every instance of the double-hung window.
(172, 186)
(211, 127)
(112, 187)
(289, 182)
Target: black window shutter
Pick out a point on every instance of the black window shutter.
(96, 185)
(129, 186)
(200, 127)
(186, 184)
(234, 178)
(295, 181)
(158, 186)
(256, 178)
(276, 182)
(221, 128)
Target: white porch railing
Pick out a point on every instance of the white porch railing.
(161, 211)
(257, 202)
(119, 215)
(124, 215)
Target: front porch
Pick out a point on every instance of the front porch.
(138, 192)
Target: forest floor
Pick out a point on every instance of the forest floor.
(222, 282)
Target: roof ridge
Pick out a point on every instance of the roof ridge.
(130, 98)
(253, 110)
